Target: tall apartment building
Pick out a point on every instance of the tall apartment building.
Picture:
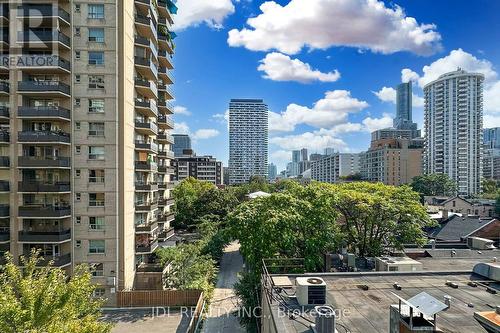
(85, 143)
(272, 171)
(204, 168)
(491, 153)
(331, 168)
(491, 138)
(248, 139)
(392, 161)
(453, 117)
(181, 142)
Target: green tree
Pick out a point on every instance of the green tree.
(189, 268)
(490, 188)
(45, 300)
(436, 184)
(376, 216)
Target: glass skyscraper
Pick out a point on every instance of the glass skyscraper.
(181, 142)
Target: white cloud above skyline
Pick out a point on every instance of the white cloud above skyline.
(321, 24)
(181, 110)
(388, 94)
(280, 67)
(196, 12)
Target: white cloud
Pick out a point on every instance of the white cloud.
(181, 128)
(387, 94)
(280, 67)
(408, 75)
(492, 99)
(181, 110)
(205, 133)
(373, 124)
(457, 58)
(196, 12)
(309, 140)
(331, 110)
(320, 24)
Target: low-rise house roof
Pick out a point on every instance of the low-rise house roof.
(456, 228)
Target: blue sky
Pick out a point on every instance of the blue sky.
(322, 65)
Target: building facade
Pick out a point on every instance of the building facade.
(84, 138)
(272, 171)
(392, 161)
(204, 168)
(331, 168)
(248, 140)
(181, 142)
(453, 118)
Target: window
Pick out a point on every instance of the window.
(96, 246)
(78, 78)
(78, 219)
(78, 243)
(77, 8)
(96, 35)
(77, 31)
(78, 126)
(96, 81)
(78, 196)
(77, 102)
(96, 223)
(96, 176)
(96, 58)
(96, 153)
(97, 269)
(78, 149)
(96, 11)
(96, 129)
(99, 292)
(96, 105)
(96, 199)
(78, 55)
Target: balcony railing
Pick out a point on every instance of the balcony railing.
(43, 86)
(146, 206)
(57, 261)
(42, 61)
(43, 112)
(34, 36)
(43, 136)
(146, 228)
(55, 236)
(164, 120)
(143, 248)
(33, 10)
(31, 211)
(166, 234)
(146, 146)
(147, 126)
(141, 186)
(43, 161)
(34, 186)
(145, 166)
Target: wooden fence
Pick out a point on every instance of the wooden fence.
(164, 298)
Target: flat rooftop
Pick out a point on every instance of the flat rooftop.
(142, 320)
(365, 311)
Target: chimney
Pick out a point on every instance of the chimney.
(445, 214)
(325, 319)
(447, 300)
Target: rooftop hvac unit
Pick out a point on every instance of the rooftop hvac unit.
(325, 319)
(310, 290)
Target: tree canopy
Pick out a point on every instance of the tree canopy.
(436, 184)
(44, 300)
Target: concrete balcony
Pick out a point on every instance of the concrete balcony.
(146, 228)
(4, 13)
(145, 187)
(44, 112)
(166, 234)
(146, 166)
(41, 187)
(165, 43)
(43, 11)
(45, 88)
(165, 59)
(165, 107)
(147, 108)
(165, 75)
(40, 211)
(145, 146)
(142, 206)
(4, 40)
(166, 154)
(145, 26)
(165, 122)
(147, 128)
(4, 210)
(30, 162)
(41, 63)
(57, 261)
(4, 161)
(4, 88)
(146, 68)
(146, 248)
(54, 236)
(165, 138)
(39, 38)
(146, 43)
(39, 137)
(146, 88)
(4, 186)
(4, 112)
(166, 218)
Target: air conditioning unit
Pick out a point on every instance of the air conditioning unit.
(310, 290)
(325, 319)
